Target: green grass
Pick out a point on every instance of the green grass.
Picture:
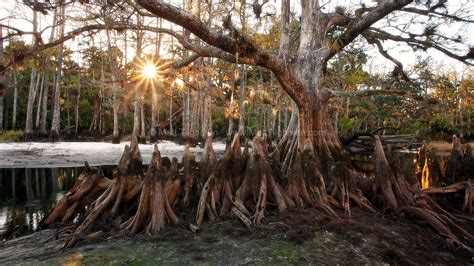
(11, 135)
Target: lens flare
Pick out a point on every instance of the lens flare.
(149, 71)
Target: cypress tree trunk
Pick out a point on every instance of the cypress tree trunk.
(34, 80)
(55, 125)
(2, 83)
(137, 97)
(1, 104)
(78, 100)
(113, 66)
(32, 87)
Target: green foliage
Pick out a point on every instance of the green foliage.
(219, 123)
(442, 124)
(347, 124)
(11, 135)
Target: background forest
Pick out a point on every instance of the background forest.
(70, 90)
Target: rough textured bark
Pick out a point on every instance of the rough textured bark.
(119, 195)
(88, 184)
(157, 198)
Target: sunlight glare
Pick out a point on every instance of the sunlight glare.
(179, 82)
(149, 71)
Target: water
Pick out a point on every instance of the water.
(28, 194)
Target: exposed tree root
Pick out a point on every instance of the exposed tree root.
(260, 187)
(460, 163)
(220, 186)
(307, 172)
(123, 189)
(251, 184)
(190, 177)
(207, 162)
(248, 196)
(455, 182)
(89, 183)
(392, 191)
(157, 198)
(465, 188)
(428, 170)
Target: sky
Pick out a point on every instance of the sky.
(20, 16)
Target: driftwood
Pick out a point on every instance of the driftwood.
(364, 142)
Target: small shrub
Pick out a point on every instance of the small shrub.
(443, 125)
(11, 135)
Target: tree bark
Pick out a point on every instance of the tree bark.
(113, 66)
(243, 74)
(78, 101)
(1, 108)
(138, 92)
(2, 83)
(15, 96)
(34, 80)
(155, 101)
(206, 116)
(186, 113)
(32, 87)
(55, 124)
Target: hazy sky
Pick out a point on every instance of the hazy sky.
(18, 15)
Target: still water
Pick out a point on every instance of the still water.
(27, 195)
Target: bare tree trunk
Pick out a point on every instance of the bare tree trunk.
(185, 130)
(142, 122)
(154, 114)
(155, 97)
(243, 74)
(113, 66)
(44, 100)
(1, 104)
(171, 114)
(44, 85)
(15, 96)
(68, 114)
(206, 114)
(279, 132)
(2, 83)
(55, 125)
(34, 80)
(40, 97)
(33, 86)
(78, 101)
(137, 98)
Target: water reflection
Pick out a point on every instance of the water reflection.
(27, 195)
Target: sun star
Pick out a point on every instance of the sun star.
(149, 71)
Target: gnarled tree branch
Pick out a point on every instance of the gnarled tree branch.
(359, 25)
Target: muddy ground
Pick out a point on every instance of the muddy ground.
(296, 238)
